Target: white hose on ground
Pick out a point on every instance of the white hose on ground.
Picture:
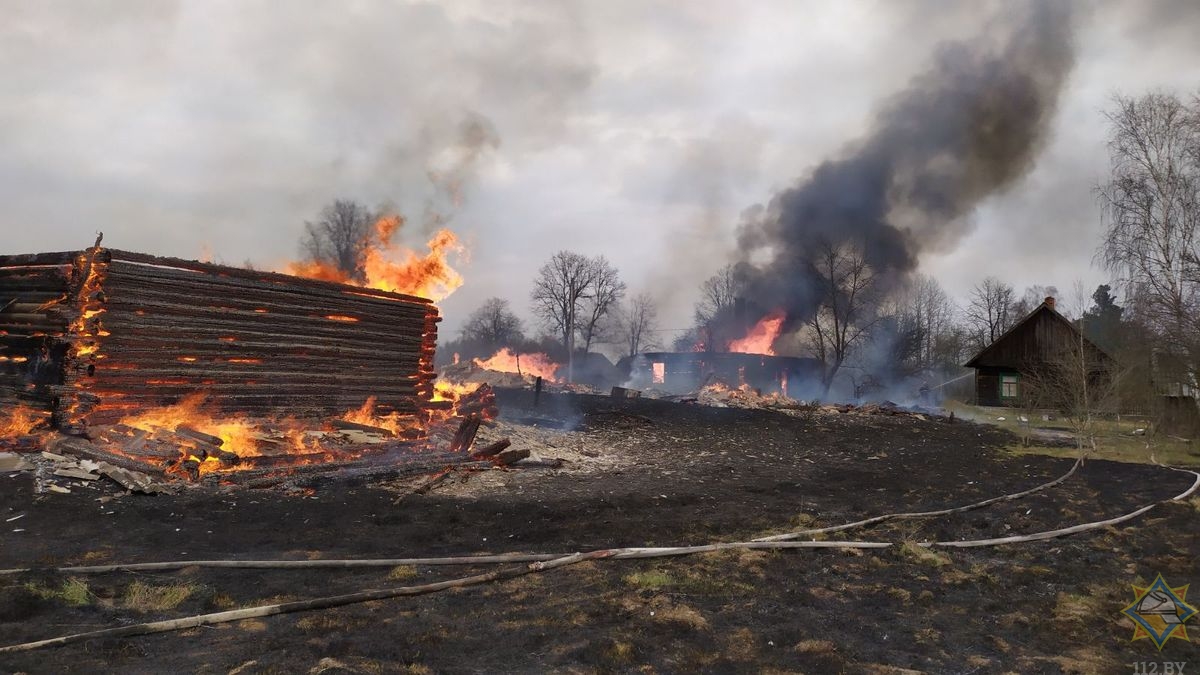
(555, 562)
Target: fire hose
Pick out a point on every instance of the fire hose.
(542, 563)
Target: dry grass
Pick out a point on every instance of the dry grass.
(1076, 608)
(923, 555)
(402, 573)
(73, 591)
(681, 615)
(332, 622)
(651, 580)
(741, 645)
(223, 601)
(142, 597)
(815, 647)
(976, 574)
(927, 636)
(619, 653)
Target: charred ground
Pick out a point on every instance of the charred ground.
(639, 473)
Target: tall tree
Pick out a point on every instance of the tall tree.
(717, 293)
(849, 299)
(493, 325)
(926, 314)
(1103, 322)
(338, 236)
(599, 301)
(989, 310)
(1152, 201)
(639, 321)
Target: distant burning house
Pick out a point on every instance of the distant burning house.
(682, 372)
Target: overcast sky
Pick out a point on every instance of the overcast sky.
(639, 130)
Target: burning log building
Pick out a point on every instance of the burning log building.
(749, 359)
(90, 339)
(681, 372)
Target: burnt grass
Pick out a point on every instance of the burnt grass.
(694, 475)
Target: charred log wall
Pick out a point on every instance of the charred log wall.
(131, 331)
(33, 328)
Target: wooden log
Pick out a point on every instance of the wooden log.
(38, 259)
(492, 449)
(286, 460)
(465, 436)
(159, 294)
(343, 424)
(190, 468)
(188, 432)
(553, 463)
(199, 273)
(510, 456)
(81, 447)
(323, 321)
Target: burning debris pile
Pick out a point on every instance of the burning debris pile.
(510, 369)
(187, 369)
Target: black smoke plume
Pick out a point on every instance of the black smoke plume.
(965, 129)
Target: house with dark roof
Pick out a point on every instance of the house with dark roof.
(1041, 339)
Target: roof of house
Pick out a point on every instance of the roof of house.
(1046, 309)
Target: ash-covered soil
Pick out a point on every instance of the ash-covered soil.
(636, 472)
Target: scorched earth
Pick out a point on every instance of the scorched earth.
(633, 473)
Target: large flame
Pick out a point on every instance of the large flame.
(761, 337)
(444, 390)
(21, 420)
(394, 422)
(237, 434)
(389, 266)
(505, 361)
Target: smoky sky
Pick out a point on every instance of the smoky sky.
(967, 127)
(640, 131)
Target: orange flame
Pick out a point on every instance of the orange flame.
(236, 433)
(389, 266)
(21, 420)
(761, 337)
(393, 422)
(504, 361)
(451, 391)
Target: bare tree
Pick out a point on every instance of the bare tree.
(493, 325)
(989, 311)
(599, 301)
(558, 292)
(717, 293)
(639, 321)
(926, 313)
(1152, 202)
(849, 299)
(338, 236)
(1030, 300)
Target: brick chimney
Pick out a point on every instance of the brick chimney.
(1049, 301)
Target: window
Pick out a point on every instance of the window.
(660, 372)
(1009, 386)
